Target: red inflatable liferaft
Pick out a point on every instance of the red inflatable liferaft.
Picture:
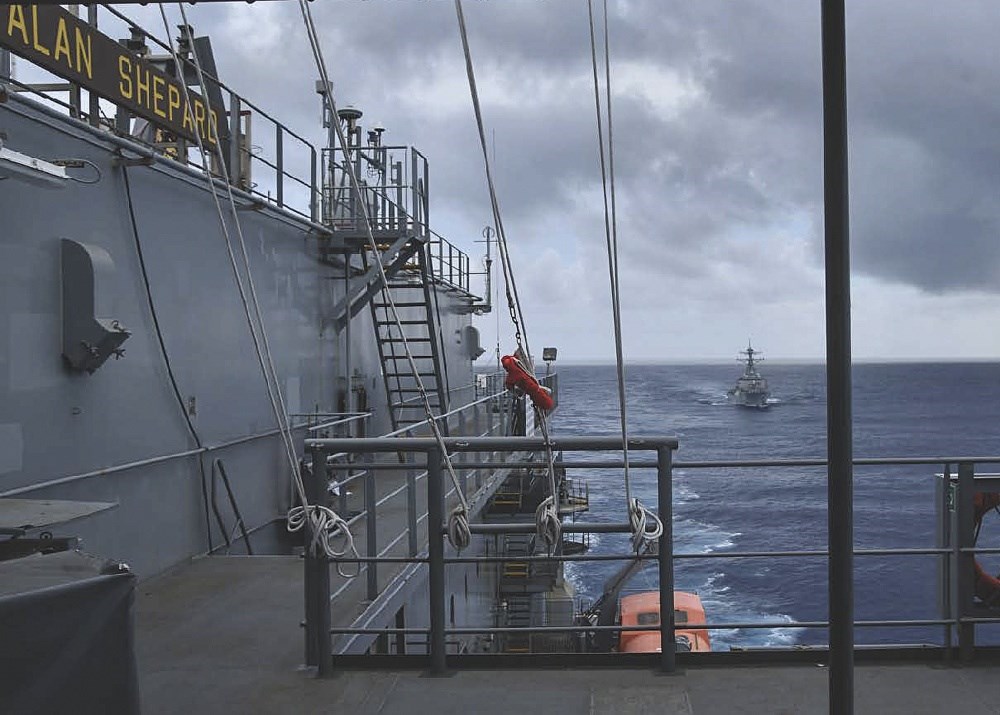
(519, 378)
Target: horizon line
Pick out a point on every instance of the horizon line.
(782, 361)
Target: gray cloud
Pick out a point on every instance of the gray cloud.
(718, 129)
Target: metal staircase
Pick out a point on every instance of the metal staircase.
(413, 294)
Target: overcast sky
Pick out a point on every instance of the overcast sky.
(718, 121)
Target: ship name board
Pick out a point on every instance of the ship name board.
(61, 43)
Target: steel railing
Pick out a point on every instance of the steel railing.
(958, 484)
(288, 162)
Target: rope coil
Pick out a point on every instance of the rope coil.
(548, 525)
(639, 517)
(326, 523)
(459, 532)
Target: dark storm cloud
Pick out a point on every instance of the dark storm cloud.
(699, 177)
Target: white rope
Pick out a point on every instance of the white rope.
(458, 529)
(548, 525)
(323, 523)
(637, 513)
(639, 518)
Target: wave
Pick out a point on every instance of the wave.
(693, 535)
(721, 607)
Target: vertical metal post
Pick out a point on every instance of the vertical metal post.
(399, 213)
(5, 68)
(463, 457)
(400, 636)
(946, 513)
(94, 109)
(435, 552)
(411, 507)
(966, 561)
(319, 648)
(840, 477)
(279, 162)
(235, 142)
(371, 532)
(477, 430)
(75, 96)
(415, 195)
(665, 560)
(427, 196)
(313, 203)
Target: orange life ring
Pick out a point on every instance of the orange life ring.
(518, 378)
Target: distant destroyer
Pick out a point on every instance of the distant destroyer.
(751, 389)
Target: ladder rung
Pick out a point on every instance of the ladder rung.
(402, 322)
(406, 340)
(420, 304)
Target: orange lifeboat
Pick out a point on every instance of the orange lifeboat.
(643, 609)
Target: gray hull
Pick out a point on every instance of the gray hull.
(119, 435)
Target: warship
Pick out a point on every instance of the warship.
(245, 445)
(751, 388)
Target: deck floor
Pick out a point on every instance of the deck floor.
(222, 635)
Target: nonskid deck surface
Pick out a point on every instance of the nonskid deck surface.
(222, 635)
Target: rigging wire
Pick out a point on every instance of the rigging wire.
(548, 524)
(325, 522)
(459, 533)
(163, 350)
(639, 516)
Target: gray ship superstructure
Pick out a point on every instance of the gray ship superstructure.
(751, 388)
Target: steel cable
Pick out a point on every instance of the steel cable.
(458, 529)
(638, 514)
(546, 530)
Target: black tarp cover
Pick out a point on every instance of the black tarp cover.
(66, 636)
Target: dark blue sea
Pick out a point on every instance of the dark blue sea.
(900, 410)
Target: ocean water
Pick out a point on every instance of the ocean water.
(900, 410)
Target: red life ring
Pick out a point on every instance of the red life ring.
(520, 379)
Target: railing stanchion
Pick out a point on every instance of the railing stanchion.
(463, 475)
(949, 561)
(966, 560)
(665, 510)
(477, 430)
(319, 648)
(235, 141)
(435, 551)
(279, 163)
(411, 506)
(371, 529)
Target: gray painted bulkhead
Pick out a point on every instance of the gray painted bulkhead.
(56, 423)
